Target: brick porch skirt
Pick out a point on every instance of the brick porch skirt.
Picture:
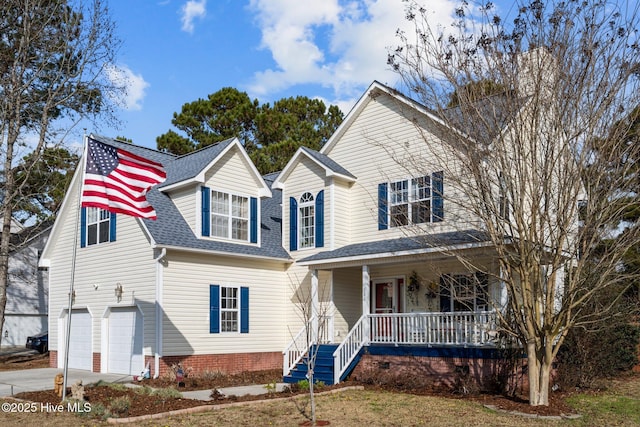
(442, 371)
(224, 363)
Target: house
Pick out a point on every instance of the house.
(350, 247)
(27, 293)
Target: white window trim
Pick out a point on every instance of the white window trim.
(230, 310)
(306, 203)
(409, 199)
(229, 216)
(99, 212)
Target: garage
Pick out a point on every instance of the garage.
(125, 341)
(80, 356)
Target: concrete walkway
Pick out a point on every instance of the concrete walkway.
(255, 390)
(13, 382)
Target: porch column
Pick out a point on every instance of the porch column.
(366, 299)
(315, 306)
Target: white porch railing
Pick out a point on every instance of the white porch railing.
(300, 343)
(457, 328)
(357, 338)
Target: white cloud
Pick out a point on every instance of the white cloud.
(192, 10)
(133, 84)
(342, 44)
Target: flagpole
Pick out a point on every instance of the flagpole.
(73, 267)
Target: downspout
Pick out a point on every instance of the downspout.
(159, 309)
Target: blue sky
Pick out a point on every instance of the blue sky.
(176, 51)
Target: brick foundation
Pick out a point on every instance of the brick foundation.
(96, 362)
(224, 363)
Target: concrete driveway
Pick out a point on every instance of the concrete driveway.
(12, 382)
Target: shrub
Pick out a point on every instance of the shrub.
(120, 405)
(588, 357)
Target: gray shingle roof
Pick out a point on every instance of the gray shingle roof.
(171, 229)
(191, 164)
(328, 162)
(402, 244)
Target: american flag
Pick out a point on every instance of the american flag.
(117, 180)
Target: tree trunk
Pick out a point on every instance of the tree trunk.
(539, 374)
(4, 262)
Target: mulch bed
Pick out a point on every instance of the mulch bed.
(143, 404)
(215, 380)
(139, 403)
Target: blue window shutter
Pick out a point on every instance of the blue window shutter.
(112, 227)
(244, 310)
(320, 219)
(206, 211)
(214, 309)
(382, 207)
(253, 221)
(437, 204)
(293, 224)
(83, 227)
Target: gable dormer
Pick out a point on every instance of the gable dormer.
(313, 185)
(218, 191)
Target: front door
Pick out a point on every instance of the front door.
(386, 300)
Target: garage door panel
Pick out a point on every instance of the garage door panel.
(80, 354)
(125, 342)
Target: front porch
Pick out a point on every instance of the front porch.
(334, 361)
(396, 293)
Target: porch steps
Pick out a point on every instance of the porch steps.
(323, 365)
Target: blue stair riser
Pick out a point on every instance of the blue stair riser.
(317, 368)
(323, 365)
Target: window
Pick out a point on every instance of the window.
(410, 201)
(97, 226)
(229, 216)
(307, 221)
(228, 309)
(399, 204)
(464, 292)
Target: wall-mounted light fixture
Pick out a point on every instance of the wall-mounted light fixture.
(118, 292)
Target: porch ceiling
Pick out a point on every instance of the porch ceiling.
(398, 250)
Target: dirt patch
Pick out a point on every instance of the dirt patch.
(14, 362)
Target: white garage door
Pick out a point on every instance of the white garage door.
(125, 341)
(79, 343)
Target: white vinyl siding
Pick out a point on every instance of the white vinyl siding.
(187, 280)
(128, 261)
(377, 132)
(232, 174)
